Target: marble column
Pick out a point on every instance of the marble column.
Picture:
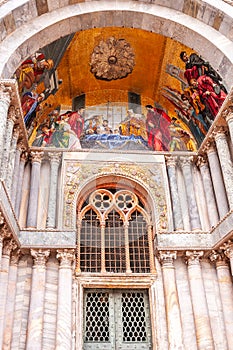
(64, 305)
(14, 175)
(4, 106)
(216, 175)
(175, 333)
(36, 309)
(18, 190)
(225, 161)
(199, 302)
(10, 304)
(11, 160)
(8, 246)
(226, 292)
(177, 214)
(54, 159)
(36, 159)
(7, 141)
(228, 250)
(186, 163)
(229, 120)
(209, 193)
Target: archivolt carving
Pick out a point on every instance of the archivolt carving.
(150, 177)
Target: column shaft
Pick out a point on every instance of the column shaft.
(226, 164)
(36, 309)
(54, 164)
(216, 175)
(192, 204)
(4, 105)
(34, 189)
(64, 310)
(18, 190)
(177, 215)
(200, 309)
(175, 336)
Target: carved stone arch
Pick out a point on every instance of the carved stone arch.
(146, 195)
(169, 22)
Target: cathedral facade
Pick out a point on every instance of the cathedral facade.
(116, 177)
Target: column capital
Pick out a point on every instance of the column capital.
(210, 146)
(201, 161)
(5, 93)
(167, 258)
(171, 161)
(219, 132)
(228, 113)
(193, 257)
(65, 257)
(36, 156)
(24, 156)
(228, 249)
(8, 246)
(15, 257)
(184, 161)
(54, 157)
(40, 256)
(219, 258)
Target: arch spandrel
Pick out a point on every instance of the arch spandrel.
(149, 182)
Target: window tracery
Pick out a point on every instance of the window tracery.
(114, 234)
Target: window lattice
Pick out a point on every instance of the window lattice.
(114, 234)
(138, 244)
(90, 243)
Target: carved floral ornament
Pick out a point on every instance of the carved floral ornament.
(112, 59)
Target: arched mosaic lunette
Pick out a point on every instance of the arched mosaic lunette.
(158, 19)
(150, 178)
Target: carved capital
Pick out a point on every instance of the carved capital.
(40, 256)
(193, 257)
(201, 161)
(24, 156)
(65, 257)
(228, 249)
(186, 161)
(219, 258)
(219, 132)
(36, 157)
(171, 161)
(54, 157)
(9, 246)
(5, 93)
(15, 257)
(210, 146)
(167, 258)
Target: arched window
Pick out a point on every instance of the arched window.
(114, 234)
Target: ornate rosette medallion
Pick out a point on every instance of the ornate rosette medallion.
(112, 59)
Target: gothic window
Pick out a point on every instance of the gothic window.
(114, 234)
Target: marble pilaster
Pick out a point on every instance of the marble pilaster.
(64, 310)
(4, 106)
(8, 246)
(36, 309)
(11, 160)
(54, 159)
(225, 161)
(10, 304)
(175, 333)
(209, 193)
(226, 292)
(177, 215)
(18, 190)
(216, 176)
(36, 158)
(7, 141)
(200, 308)
(186, 163)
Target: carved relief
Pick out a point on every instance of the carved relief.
(112, 59)
(150, 177)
